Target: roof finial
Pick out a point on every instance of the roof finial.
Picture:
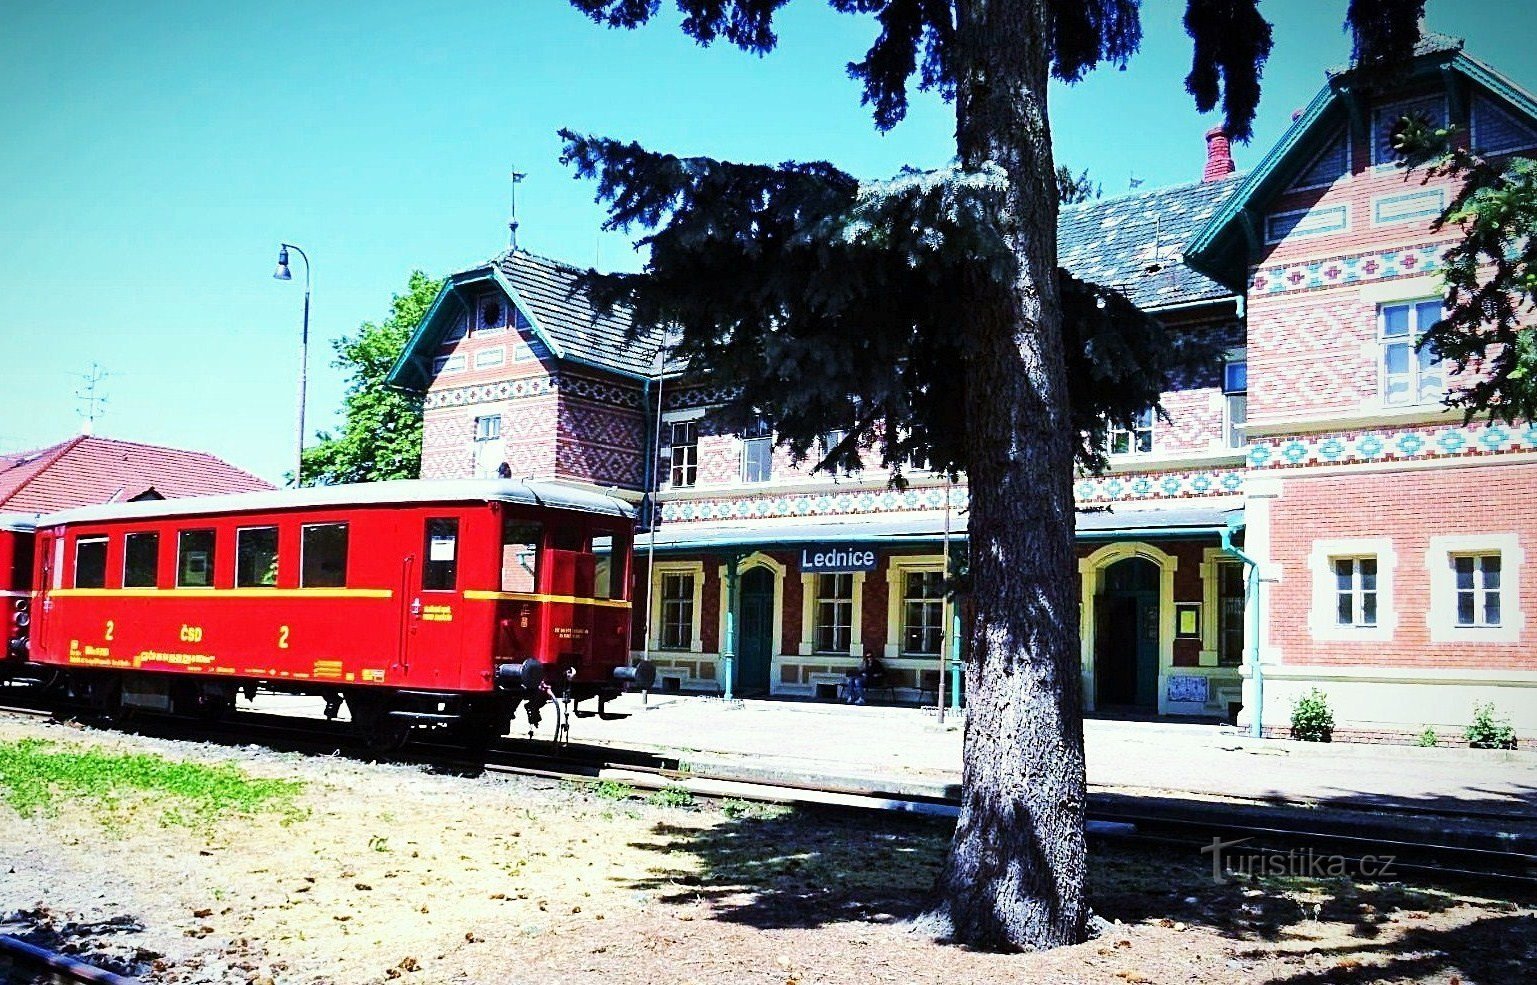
(512, 223)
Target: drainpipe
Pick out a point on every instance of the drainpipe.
(1251, 610)
(728, 645)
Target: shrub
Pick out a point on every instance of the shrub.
(1312, 721)
(1427, 739)
(1488, 732)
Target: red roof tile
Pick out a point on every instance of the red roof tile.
(86, 470)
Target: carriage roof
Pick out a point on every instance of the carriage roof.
(398, 492)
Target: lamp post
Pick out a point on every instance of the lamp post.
(282, 273)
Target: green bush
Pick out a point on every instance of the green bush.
(1488, 732)
(671, 797)
(1312, 721)
(1427, 739)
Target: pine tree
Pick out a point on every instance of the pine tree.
(934, 300)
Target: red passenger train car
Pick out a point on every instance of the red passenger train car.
(16, 536)
(414, 603)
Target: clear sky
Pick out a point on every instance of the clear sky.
(153, 156)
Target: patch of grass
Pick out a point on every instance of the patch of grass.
(671, 797)
(748, 810)
(37, 775)
(612, 790)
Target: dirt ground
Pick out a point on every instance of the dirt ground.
(389, 873)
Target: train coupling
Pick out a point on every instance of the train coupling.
(642, 675)
(526, 676)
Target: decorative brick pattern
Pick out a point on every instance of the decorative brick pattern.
(1358, 268)
(1159, 485)
(833, 502)
(1393, 445)
(1311, 354)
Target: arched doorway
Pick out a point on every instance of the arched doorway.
(755, 640)
(1126, 626)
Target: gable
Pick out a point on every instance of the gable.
(1443, 85)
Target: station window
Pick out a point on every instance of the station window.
(323, 556)
(923, 612)
(1137, 439)
(677, 611)
(757, 452)
(91, 562)
(256, 557)
(141, 560)
(1230, 621)
(685, 453)
(1477, 581)
(194, 559)
(1235, 399)
(834, 612)
(440, 570)
(1355, 591)
(1409, 377)
(520, 555)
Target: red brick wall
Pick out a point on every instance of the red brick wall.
(1410, 506)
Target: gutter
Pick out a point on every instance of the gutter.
(1251, 610)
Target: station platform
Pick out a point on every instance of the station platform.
(906, 748)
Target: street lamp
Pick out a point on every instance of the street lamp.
(282, 273)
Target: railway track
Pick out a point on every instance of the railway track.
(25, 964)
(1254, 827)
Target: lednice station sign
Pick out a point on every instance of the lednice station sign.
(822, 560)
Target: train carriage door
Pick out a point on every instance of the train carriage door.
(571, 576)
(435, 618)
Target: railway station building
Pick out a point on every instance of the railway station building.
(1311, 515)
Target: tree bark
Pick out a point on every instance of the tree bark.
(1014, 879)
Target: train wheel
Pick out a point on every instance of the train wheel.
(375, 729)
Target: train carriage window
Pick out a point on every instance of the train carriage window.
(141, 560)
(256, 557)
(323, 560)
(520, 555)
(194, 559)
(440, 570)
(91, 562)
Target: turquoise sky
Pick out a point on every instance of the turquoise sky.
(154, 155)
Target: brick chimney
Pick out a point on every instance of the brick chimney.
(1219, 155)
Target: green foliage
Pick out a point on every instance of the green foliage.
(612, 790)
(671, 797)
(1312, 721)
(1072, 189)
(1428, 739)
(1488, 732)
(854, 291)
(381, 437)
(1490, 273)
(35, 776)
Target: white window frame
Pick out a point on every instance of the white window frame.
(694, 569)
(1416, 332)
(1131, 441)
(809, 617)
(689, 468)
(819, 602)
(492, 429)
(106, 551)
(1441, 617)
(1323, 618)
(1235, 429)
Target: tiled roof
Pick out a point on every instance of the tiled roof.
(86, 470)
(549, 291)
(1136, 243)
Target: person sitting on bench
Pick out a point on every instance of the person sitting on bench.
(867, 675)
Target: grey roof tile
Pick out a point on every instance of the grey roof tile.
(561, 309)
(1135, 243)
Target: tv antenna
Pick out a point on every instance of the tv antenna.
(93, 402)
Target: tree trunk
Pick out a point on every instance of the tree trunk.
(1014, 879)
